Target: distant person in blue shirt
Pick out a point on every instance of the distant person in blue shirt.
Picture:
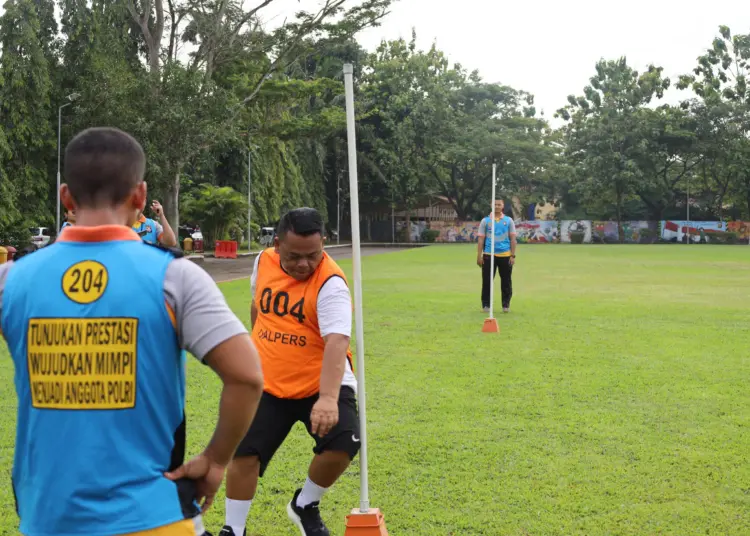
(155, 232)
(98, 325)
(505, 255)
(70, 219)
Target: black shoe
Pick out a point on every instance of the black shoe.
(306, 519)
(227, 531)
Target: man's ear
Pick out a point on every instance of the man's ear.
(66, 198)
(276, 244)
(138, 196)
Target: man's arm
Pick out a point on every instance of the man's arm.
(166, 236)
(335, 322)
(513, 241)
(237, 364)
(208, 329)
(253, 283)
(480, 243)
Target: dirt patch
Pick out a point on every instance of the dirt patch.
(229, 269)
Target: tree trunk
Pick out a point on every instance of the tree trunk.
(171, 203)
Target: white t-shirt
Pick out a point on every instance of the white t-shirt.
(334, 313)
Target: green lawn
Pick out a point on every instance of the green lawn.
(614, 400)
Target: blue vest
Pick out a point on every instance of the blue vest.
(502, 234)
(100, 380)
(147, 230)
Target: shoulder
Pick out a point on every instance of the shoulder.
(186, 272)
(173, 251)
(332, 267)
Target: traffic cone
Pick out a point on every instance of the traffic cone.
(490, 326)
(370, 523)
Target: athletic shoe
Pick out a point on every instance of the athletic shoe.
(486, 309)
(306, 519)
(506, 309)
(227, 531)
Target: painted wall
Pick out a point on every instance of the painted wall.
(600, 232)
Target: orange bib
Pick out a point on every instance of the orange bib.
(286, 331)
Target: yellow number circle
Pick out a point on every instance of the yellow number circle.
(85, 282)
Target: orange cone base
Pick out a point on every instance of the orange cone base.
(490, 326)
(371, 523)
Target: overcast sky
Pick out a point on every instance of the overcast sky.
(549, 47)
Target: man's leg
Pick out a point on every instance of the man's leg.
(333, 454)
(486, 281)
(271, 425)
(506, 283)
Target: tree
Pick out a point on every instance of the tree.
(720, 82)
(218, 31)
(606, 137)
(220, 211)
(25, 110)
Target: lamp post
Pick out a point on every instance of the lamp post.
(70, 98)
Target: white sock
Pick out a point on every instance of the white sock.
(237, 515)
(310, 493)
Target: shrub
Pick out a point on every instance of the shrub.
(429, 235)
(218, 211)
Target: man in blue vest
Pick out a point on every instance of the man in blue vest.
(155, 232)
(97, 325)
(505, 255)
(70, 219)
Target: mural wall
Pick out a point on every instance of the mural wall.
(634, 232)
(537, 232)
(698, 231)
(568, 227)
(601, 232)
(464, 231)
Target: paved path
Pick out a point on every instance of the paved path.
(229, 269)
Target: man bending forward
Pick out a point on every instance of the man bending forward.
(302, 318)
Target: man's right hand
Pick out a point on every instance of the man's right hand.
(480, 260)
(207, 475)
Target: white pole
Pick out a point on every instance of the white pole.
(338, 207)
(492, 247)
(249, 199)
(364, 502)
(59, 136)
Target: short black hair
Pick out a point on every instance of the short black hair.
(102, 166)
(303, 221)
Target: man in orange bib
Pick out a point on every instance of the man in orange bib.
(302, 319)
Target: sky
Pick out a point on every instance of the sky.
(549, 47)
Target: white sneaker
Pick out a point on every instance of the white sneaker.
(486, 309)
(506, 309)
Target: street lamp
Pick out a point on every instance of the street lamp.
(70, 98)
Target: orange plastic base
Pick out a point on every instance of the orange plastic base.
(370, 524)
(490, 326)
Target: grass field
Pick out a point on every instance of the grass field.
(614, 401)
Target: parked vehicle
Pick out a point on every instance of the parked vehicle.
(266, 236)
(40, 236)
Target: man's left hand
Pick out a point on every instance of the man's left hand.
(324, 415)
(157, 208)
(512, 261)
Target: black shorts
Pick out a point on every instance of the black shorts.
(276, 416)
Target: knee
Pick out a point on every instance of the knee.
(244, 467)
